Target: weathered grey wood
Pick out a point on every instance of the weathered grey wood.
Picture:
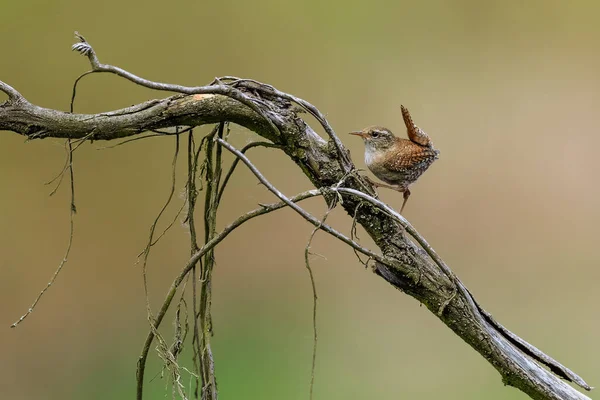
(419, 273)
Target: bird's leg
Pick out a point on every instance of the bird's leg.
(399, 188)
(406, 196)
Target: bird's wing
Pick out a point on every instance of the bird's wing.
(411, 155)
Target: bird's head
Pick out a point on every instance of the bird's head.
(376, 137)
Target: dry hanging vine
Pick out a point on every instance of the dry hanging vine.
(276, 116)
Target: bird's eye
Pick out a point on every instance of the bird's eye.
(375, 134)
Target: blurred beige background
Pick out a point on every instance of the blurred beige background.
(509, 92)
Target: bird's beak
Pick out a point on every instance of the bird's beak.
(359, 133)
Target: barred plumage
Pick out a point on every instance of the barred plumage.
(398, 162)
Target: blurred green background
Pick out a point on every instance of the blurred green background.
(509, 91)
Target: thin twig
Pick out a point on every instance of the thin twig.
(315, 299)
(72, 210)
(171, 224)
(177, 131)
(61, 174)
(264, 209)
(146, 251)
(72, 176)
(213, 164)
(413, 232)
(312, 110)
(74, 92)
(69, 144)
(236, 162)
(129, 141)
(16, 96)
(354, 235)
(307, 216)
(84, 48)
(191, 197)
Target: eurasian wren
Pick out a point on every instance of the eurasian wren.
(398, 162)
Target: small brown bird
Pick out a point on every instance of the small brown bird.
(398, 162)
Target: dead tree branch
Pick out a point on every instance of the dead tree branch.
(274, 115)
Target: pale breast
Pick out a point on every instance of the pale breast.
(375, 161)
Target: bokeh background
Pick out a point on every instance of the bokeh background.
(509, 91)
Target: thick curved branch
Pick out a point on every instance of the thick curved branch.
(420, 273)
(38, 122)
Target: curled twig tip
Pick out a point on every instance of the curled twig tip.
(80, 37)
(83, 47)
